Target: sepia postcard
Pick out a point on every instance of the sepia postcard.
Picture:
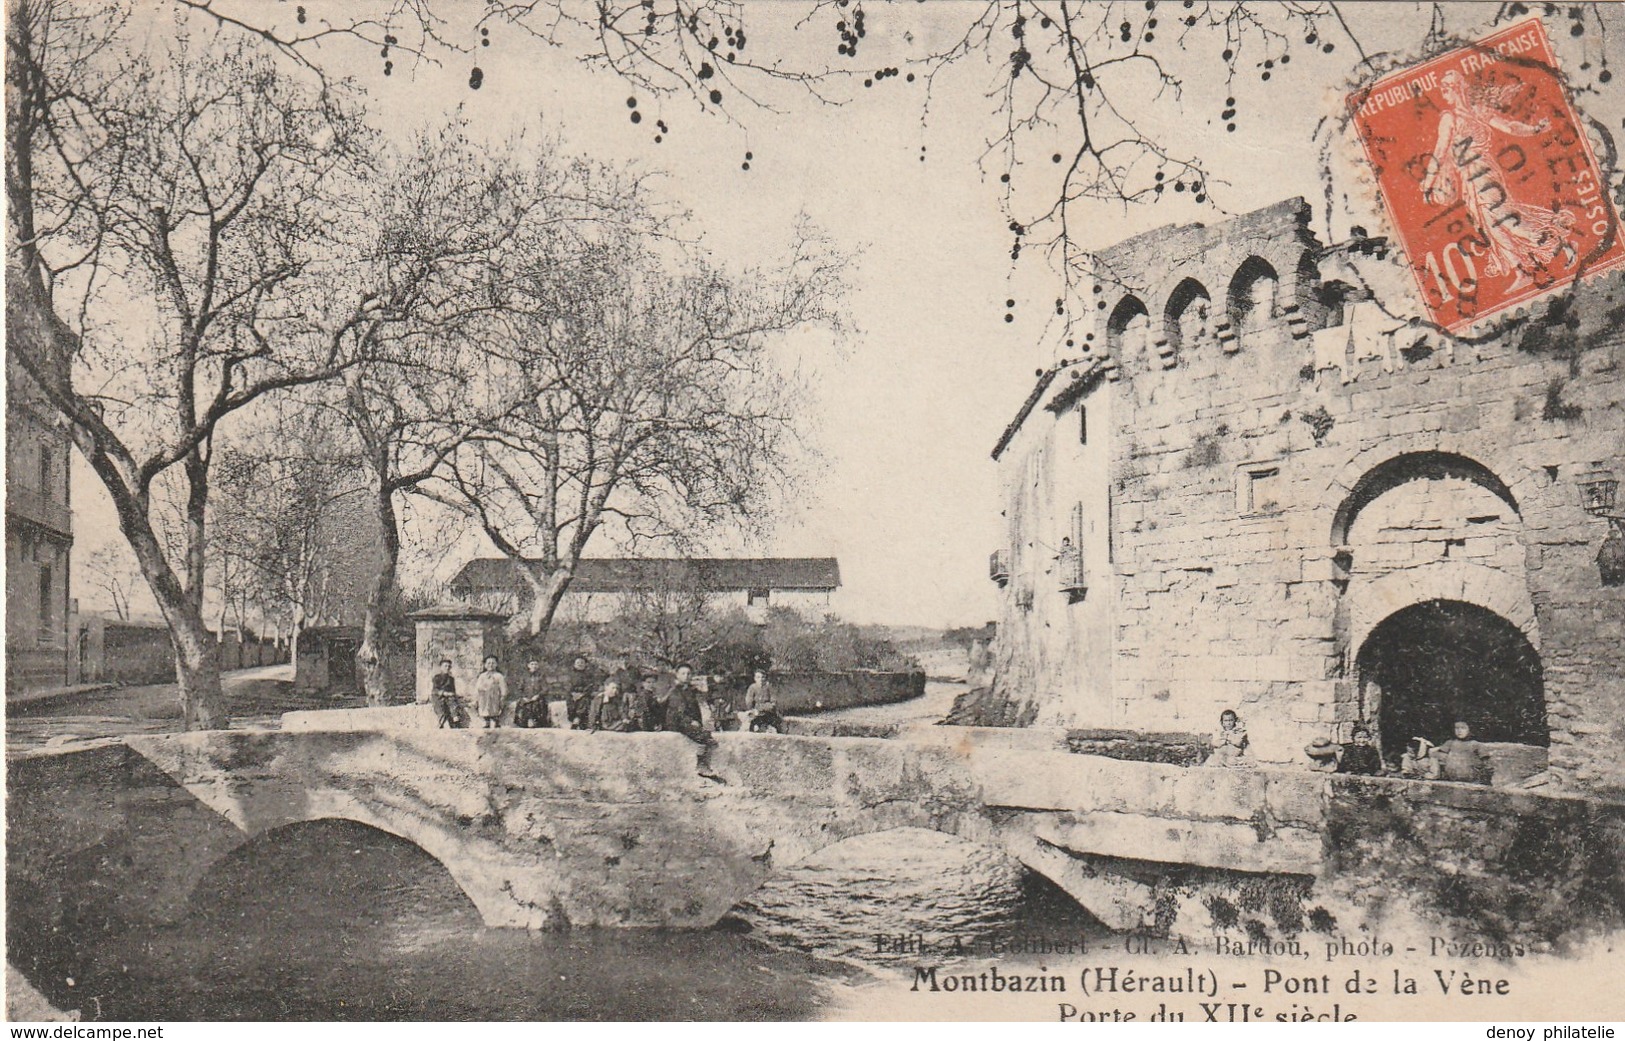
(822, 510)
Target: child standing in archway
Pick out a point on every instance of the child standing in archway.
(1463, 759)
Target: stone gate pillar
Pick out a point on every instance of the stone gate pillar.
(465, 635)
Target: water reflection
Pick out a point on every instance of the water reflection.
(877, 899)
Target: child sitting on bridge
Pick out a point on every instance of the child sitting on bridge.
(609, 710)
(531, 710)
(448, 706)
(1229, 743)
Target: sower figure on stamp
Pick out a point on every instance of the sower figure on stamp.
(1517, 238)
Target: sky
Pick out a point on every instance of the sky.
(907, 412)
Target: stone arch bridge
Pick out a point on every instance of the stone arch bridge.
(549, 828)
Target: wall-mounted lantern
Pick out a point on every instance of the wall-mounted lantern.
(1598, 489)
(998, 568)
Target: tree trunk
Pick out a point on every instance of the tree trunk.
(295, 628)
(197, 673)
(372, 657)
(547, 588)
(46, 347)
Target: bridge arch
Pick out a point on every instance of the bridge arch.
(1094, 891)
(316, 859)
(1374, 601)
(445, 848)
(1425, 534)
(1369, 472)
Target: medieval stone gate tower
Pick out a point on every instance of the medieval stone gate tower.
(1256, 488)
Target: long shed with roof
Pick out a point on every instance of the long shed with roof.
(604, 586)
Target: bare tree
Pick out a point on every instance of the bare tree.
(1083, 93)
(282, 520)
(649, 397)
(447, 231)
(669, 621)
(113, 571)
(186, 239)
(202, 192)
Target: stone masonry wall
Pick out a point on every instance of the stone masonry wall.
(1284, 476)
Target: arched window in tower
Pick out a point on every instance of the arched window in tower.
(1187, 315)
(1253, 290)
(1128, 329)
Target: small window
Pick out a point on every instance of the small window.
(1263, 490)
(45, 612)
(1083, 425)
(45, 470)
(756, 596)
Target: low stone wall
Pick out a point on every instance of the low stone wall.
(1502, 865)
(391, 717)
(131, 654)
(416, 716)
(802, 692)
(1175, 749)
(253, 653)
(816, 726)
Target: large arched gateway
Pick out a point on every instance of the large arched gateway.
(1435, 618)
(1430, 664)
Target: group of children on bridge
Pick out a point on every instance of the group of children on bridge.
(626, 700)
(1459, 759)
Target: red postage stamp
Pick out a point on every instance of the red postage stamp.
(1487, 176)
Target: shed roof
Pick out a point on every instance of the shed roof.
(631, 574)
(456, 613)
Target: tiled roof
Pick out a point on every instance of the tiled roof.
(628, 574)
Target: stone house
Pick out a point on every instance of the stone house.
(604, 587)
(39, 540)
(1249, 488)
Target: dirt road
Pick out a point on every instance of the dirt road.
(254, 697)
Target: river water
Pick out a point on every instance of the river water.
(276, 933)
